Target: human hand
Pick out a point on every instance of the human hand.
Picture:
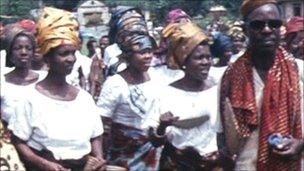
(167, 119)
(95, 163)
(290, 148)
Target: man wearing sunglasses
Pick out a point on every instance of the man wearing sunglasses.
(261, 95)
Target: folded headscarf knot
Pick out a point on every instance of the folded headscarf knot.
(56, 27)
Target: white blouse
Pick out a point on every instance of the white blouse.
(186, 105)
(132, 105)
(62, 127)
(12, 93)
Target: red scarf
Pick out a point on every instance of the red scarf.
(280, 111)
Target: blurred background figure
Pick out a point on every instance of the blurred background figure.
(294, 37)
(91, 46)
(238, 38)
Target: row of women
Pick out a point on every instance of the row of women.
(57, 126)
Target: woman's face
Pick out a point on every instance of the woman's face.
(141, 60)
(198, 63)
(62, 59)
(22, 51)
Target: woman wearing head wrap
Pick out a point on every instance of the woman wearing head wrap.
(20, 47)
(57, 127)
(128, 100)
(193, 145)
(221, 49)
(160, 63)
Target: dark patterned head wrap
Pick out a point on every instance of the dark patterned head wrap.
(118, 17)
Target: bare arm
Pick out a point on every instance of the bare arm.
(97, 147)
(96, 144)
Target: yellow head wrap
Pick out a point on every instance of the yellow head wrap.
(249, 5)
(183, 37)
(56, 27)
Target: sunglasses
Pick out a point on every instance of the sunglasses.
(260, 24)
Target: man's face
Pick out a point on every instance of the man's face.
(104, 42)
(263, 28)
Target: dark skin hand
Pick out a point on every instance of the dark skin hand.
(166, 120)
(97, 153)
(290, 148)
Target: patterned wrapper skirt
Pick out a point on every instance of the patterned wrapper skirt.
(130, 148)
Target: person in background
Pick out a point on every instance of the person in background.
(160, 62)
(79, 76)
(238, 38)
(294, 37)
(222, 50)
(193, 96)
(20, 46)
(261, 97)
(104, 42)
(98, 68)
(127, 100)
(37, 63)
(91, 46)
(57, 126)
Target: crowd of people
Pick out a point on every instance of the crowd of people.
(197, 99)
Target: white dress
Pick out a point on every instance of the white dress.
(62, 127)
(12, 93)
(186, 105)
(132, 105)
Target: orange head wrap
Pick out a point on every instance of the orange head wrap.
(249, 5)
(56, 27)
(184, 37)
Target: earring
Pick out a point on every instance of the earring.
(183, 67)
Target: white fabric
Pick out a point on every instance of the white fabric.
(217, 73)
(185, 105)
(111, 57)
(12, 93)
(115, 101)
(3, 58)
(82, 62)
(62, 127)
(165, 75)
(234, 57)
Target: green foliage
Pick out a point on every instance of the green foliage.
(160, 8)
(16, 9)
